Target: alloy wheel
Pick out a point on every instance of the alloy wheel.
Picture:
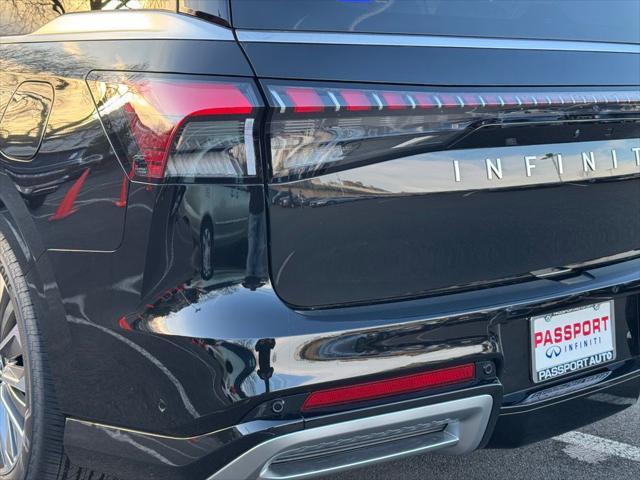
(13, 389)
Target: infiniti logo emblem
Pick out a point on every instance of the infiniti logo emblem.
(553, 351)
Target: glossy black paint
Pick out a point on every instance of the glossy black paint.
(76, 155)
(23, 126)
(156, 333)
(435, 241)
(600, 20)
(441, 66)
(196, 343)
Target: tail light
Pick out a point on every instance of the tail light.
(315, 129)
(187, 128)
(179, 127)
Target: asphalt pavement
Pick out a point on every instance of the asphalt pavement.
(607, 450)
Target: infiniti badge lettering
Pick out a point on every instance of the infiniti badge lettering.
(589, 162)
(493, 168)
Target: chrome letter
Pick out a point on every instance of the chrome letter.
(494, 169)
(560, 164)
(530, 166)
(588, 162)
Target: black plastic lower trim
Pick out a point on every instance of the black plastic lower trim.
(521, 425)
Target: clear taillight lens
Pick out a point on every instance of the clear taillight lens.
(315, 129)
(179, 127)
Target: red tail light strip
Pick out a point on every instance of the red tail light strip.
(189, 127)
(189, 99)
(424, 100)
(305, 100)
(385, 388)
(316, 99)
(352, 126)
(394, 101)
(356, 100)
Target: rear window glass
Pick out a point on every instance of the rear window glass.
(587, 20)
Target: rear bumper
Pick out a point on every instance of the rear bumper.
(452, 423)
(456, 422)
(295, 352)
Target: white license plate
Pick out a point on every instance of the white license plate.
(572, 340)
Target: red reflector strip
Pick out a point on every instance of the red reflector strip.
(305, 100)
(385, 388)
(356, 100)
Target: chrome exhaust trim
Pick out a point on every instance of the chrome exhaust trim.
(454, 427)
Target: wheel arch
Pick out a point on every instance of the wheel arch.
(20, 230)
(19, 221)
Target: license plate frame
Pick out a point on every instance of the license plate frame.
(575, 351)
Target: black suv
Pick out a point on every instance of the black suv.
(280, 238)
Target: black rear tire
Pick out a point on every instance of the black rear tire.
(39, 453)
